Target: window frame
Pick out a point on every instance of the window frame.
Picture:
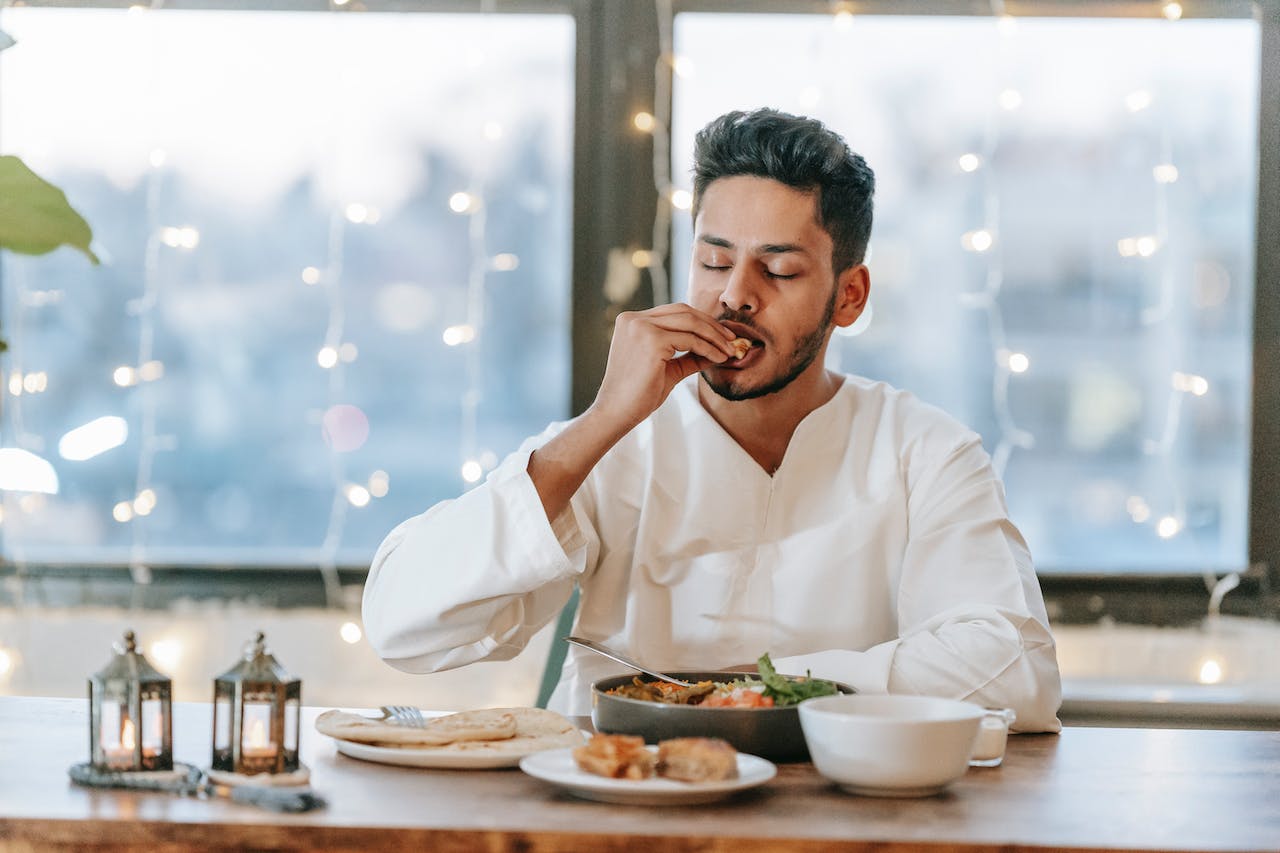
(618, 72)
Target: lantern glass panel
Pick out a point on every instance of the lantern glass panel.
(292, 709)
(222, 723)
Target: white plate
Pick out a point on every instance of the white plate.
(558, 767)
(407, 756)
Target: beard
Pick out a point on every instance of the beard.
(802, 355)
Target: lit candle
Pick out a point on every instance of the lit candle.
(258, 746)
(120, 752)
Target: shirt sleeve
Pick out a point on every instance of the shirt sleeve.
(474, 578)
(971, 618)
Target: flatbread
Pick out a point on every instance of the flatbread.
(490, 724)
(741, 346)
(531, 730)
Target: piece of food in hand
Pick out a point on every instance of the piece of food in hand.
(741, 346)
(616, 756)
(697, 759)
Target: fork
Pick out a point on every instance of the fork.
(404, 715)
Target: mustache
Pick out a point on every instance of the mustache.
(742, 318)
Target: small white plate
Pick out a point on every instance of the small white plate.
(407, 756)
(558, 767)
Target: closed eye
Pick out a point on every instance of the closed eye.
(780, 276)
(706, 266)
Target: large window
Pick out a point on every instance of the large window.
(335, 283)
(341, 260)
(1063, 253)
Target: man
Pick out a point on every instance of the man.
(713, 507)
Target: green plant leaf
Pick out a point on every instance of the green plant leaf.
(35, 217)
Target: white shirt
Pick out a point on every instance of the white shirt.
(879, 554)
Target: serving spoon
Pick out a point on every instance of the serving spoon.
(592, 645)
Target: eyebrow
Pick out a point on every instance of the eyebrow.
(766, 249)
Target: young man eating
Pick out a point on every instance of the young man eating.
(726, 495)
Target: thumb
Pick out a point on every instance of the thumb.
(682, 367)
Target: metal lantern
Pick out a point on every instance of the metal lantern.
(255, 715)
(130, 714)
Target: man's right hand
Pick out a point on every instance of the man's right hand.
(651, 352)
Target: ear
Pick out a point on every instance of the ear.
(853, 287)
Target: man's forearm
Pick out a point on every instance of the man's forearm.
(560, 466)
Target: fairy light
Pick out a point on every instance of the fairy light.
(472, 471)
(379, 484)
(644, 122)
(462, 202)
(977, 241)
(356, 212)
(327, 357)
(842, 16)
(969, 162)
(1172, 11)
(681, 199)
(6, 663)
(1009, 99)
(683, 67)
(124, 376)
(1165, 173)
(350, 633)
(1168, 526)
(463, 333)
(167, 654)
(504, 262)
(356, 495)
(310, 275)
(1210, 671)
(641, 258)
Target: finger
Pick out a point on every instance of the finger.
(709, 330)
(694, 344)
(683, 310)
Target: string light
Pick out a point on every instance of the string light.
(969, 162)
(310, 275)
(379, 484)
(644, 122)
(463, 333)
(472, 471)
(350, 632)
(1172, 11)
(6, 663)
(842, 16)
(504, 262)
(93, 439)
(1210, 671)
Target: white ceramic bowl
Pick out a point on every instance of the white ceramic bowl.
(890, 746)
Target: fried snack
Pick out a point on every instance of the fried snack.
(741, 346)
(616, 757)
(697, 759)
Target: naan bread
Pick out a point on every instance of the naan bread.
(492, 731)
(484, 725)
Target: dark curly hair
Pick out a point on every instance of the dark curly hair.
(801, 153)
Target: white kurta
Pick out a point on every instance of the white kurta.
(879, 554)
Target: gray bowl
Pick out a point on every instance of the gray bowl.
(772, 733)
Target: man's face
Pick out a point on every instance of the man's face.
(762, 266)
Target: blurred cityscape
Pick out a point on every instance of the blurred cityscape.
(375, 305)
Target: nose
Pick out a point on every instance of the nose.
(739, 293)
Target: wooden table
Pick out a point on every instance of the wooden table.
(1091, 788)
